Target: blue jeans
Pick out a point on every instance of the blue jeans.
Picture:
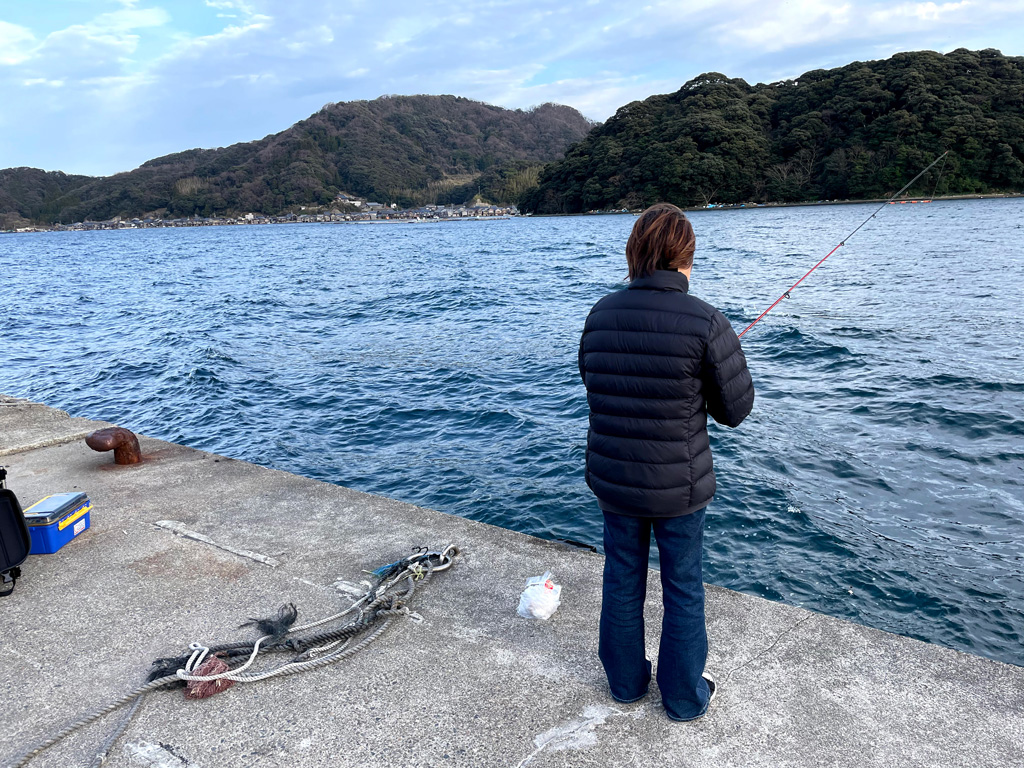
(684, 639)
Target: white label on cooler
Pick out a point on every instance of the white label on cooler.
(79, 526)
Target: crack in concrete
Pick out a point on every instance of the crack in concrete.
(767, 650)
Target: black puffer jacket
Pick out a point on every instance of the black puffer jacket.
(656, 361)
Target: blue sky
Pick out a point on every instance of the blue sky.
(100, 86)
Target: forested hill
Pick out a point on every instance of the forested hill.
(403, 149)
(23, 191)
(859, 131)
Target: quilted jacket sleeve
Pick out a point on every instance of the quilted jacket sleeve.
(728, 388)
(579, 359)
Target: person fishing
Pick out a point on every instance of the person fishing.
(655, 362)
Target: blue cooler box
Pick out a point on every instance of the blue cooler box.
(56, 520)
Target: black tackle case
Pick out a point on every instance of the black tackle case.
(14, 537)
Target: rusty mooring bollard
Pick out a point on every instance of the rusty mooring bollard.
(121, 441)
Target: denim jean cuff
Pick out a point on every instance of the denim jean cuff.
(629, 701)
(686, 719)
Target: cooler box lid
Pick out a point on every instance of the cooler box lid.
(53, 508)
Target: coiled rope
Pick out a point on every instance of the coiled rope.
(379, 604)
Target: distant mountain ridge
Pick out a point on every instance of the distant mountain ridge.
(403, 149)
(854, 132)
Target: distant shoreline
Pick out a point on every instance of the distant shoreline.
(810, 203)
(392, 217)
(905, 200)
(120, 226)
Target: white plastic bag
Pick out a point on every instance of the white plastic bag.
(540, 598)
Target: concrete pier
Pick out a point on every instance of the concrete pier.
(472, 685)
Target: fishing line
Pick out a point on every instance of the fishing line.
(938, 176)
(843, 242)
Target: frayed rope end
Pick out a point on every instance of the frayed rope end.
(276, 627)
(214, 665)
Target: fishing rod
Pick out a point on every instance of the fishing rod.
(843, 242)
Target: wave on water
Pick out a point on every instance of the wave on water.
(880, 477)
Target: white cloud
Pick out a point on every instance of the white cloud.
(43, 81)
(102, 46)
(230, 5)
(314, 37)
(798, 23)
(193, 46)
(16, 43)
(600, 96)
(147, 81)
(801, 23)
(115, 88)
(79, 52)
(127, 19)
(917, 12)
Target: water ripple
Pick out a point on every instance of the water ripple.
(880, 477)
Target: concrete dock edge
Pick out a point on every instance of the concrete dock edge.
(472, 685)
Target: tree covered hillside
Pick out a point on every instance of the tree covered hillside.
(859, 131)
(402, 149)
(27, 192)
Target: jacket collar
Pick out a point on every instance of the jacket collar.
(662, 280)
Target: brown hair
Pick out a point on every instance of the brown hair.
(662, 238)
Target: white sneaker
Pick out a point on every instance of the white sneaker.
(712, 685)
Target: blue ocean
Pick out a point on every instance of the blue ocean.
(880, 477)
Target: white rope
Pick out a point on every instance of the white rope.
(414, 572)
(299, 666)
(193, 663)
(314, 652)
(417, 570)
(329, 619)
(318, 656)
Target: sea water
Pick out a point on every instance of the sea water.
(880, 477)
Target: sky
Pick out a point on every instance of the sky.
(100, 86)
